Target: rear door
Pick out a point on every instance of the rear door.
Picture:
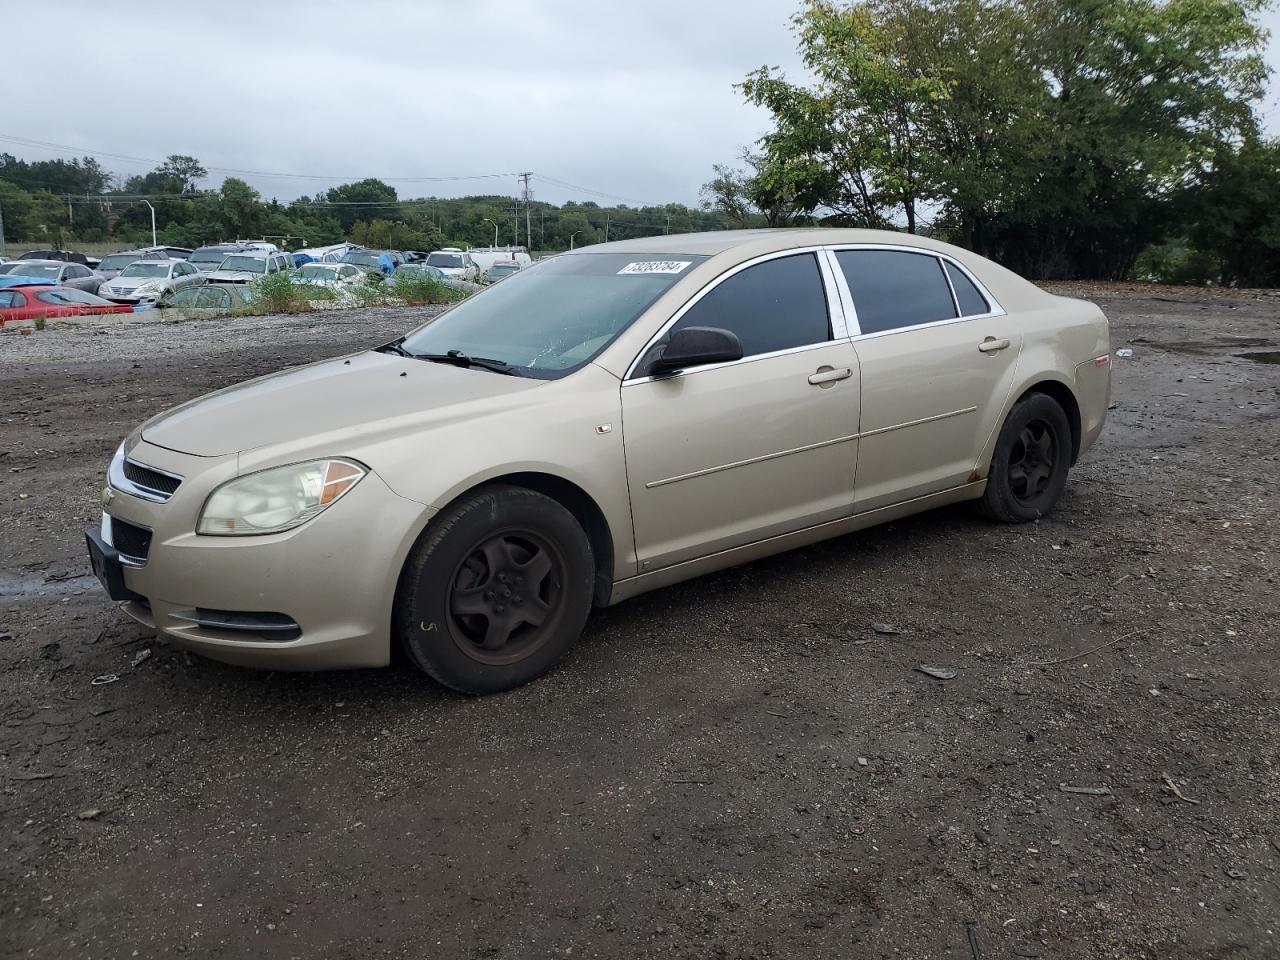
(726, 454)
(937, 355)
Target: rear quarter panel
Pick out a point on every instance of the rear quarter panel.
(1061, 338)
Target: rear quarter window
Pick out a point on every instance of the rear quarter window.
(11, 298)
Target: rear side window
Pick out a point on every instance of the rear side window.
(775, 305)
(893, 288)
(971, 301)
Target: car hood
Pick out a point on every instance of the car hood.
(231, 276)
(132, 283)
(345, 400)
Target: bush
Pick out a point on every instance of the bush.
(277, 293)
(416, 291)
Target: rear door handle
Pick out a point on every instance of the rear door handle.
(829, 375)
(991, 345)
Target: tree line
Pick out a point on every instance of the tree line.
(61, 202)
(1102, 139)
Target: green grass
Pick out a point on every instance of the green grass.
(417, 291)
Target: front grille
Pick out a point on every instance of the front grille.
(162, 485)
(132, 541)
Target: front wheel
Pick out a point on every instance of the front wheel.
(1030, 462)
(496, 591)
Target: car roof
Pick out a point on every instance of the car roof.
(767, 240)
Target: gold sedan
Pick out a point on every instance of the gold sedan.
(606, 422)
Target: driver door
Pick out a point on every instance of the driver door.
(726, 454)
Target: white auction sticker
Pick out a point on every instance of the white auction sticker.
(656, 266)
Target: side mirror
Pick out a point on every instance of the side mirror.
(696, 347)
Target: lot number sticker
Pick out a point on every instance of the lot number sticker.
(656, 266)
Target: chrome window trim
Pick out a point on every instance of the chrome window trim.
(836, 316)
(996, 310)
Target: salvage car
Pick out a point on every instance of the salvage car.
(151, 281)
(333, 276)
(212, 296)
(246, 267)
(601, 424)
(454, 263)
(111, 265)
(209, 258)
(30, 301)
(63, 272)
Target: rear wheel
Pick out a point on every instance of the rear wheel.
(497, 591)
(1030, 462)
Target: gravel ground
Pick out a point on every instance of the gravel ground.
(740, 766)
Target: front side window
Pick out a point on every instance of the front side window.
(894, 288)
(558, 314)
(776, 305)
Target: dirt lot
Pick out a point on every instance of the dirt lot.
(736, 767)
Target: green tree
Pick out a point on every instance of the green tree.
(362, 200)
(1054, 135)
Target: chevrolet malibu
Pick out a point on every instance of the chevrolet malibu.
(604, 423)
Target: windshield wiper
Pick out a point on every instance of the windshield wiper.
(395, 347)
(460, 359)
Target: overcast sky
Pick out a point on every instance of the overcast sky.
(633, 100)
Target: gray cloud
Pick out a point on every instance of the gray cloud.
(632, 99)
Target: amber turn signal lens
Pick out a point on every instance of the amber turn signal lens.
(338, 479)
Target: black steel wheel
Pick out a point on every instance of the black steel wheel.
(496, 590)
(1030, 463)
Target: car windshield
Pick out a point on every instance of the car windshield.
(444, 260)
(364, 259)
(315, 271)
(555, 316)
(208, 256)
(501, 271)
(144, 269)
(118, 261)
(245, 264)
(70, 296)
(417, 270)
(29, 269)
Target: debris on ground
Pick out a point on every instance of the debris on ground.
(1087, 791)
(938, 672)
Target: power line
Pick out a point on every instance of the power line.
(26, 141)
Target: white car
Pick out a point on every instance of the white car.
(334, 276)
(150, 281)
(454, 263)
(244, 267)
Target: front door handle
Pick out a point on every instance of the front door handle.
(827, 375)
(991, 344)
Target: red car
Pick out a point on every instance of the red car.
(29, 301)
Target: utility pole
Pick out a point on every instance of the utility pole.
(668, 230)
(495, 231)
(528, 223)
(1, 230)
(607, 218)
(571, 236)
(153, 223)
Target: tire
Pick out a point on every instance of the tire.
(1030, 463)
(496, 591)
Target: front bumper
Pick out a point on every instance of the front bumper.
(334, 577)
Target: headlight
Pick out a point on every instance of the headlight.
(277, 499)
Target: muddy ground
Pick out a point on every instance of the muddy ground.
(736, 767)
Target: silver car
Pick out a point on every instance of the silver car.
(151, 281)
(75, 275)
(111, 265)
